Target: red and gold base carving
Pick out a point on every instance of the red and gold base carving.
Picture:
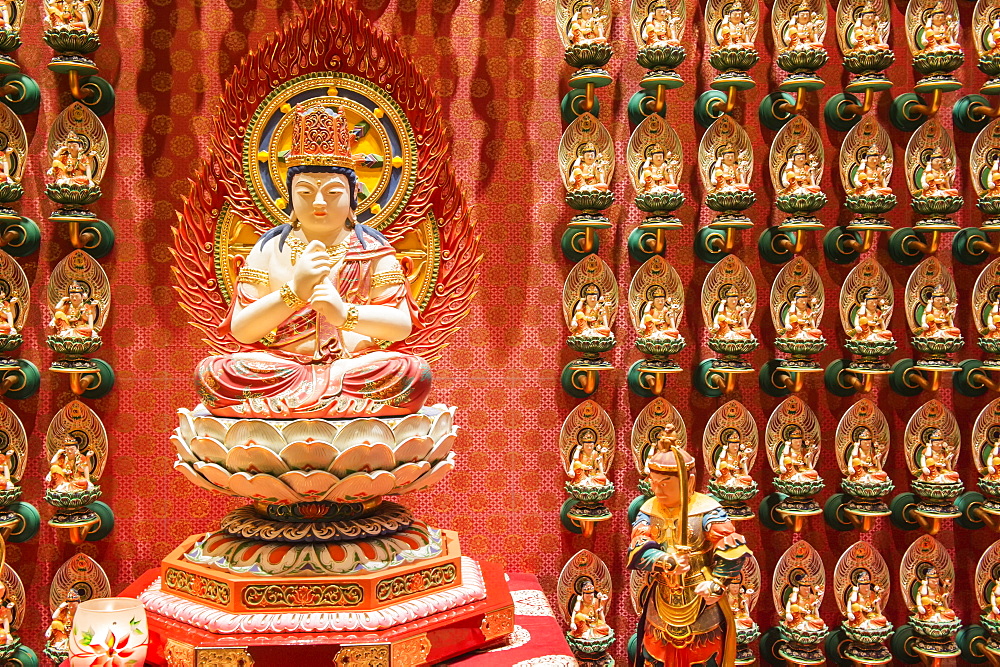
(425, 641)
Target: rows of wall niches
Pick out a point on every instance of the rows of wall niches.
(801, 177)
(73, 301)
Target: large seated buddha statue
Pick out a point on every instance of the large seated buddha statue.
(317, 299)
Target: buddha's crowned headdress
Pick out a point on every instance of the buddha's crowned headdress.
(320, 138)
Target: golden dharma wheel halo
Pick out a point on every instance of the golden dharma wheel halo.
(81, 121)
(583, 566)
(82, 574)
(13, 438)
(987, 574)
(15, 590)
(79, 267)
(79, 422)
(924, 553)
(860, 557)
(384, 133)
(985, 432)
(862, 415)
(13, 137)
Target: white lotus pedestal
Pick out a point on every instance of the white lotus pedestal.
(320, 569)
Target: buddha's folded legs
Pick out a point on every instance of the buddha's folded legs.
(272, 386)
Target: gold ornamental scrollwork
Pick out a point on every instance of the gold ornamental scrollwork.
(179, 654)
(362, 655)
(222, 657)
(498, 623)
(411, 652)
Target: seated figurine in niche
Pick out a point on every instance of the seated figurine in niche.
(7, 462)
(739, 603)
(7, 611)
(801, 610)
(991, 457)
(732, 467)
(932, 598)
(796, 458)
(993, 179)
(659, 316)
(868, 31)
(75, 314)
(590, 314)
(728, 172)
(872, 176)
(799, 174)
(994, 606)
(6, 162)
(864, 603)
(938, 319)
(732, 321)
(57, 634)
(805, 29)
(935, 460)
(800, 320)
(659, 172)
(940, 33)
(315, 299)
(870, 321)
(588, 173)
(66, 15)
(69, 469)
(736, 29)
(70, 165)
(586, 27)
(938, 177)
(864, 464)
(588, 618)
(8, 315)
(587, 462)
(662, 27)
(993, 320)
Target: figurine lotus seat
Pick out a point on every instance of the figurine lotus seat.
(989, 487)
(661, 57)
(732, 494)
(66, 39)
(732, 347)
(990, 205)
(590, 646)
(868, 62)
(937, 205)
(660, 346)
(10, 192)
(659, 202)
(870, 204)
(583, 56)
(73, 345)
(590, 345)
(938, 62)
(802, 60)
(801, 202)
(733, 59)
(590, 200)
(938, 630)
(730, 200)
(870, 348)
(799, 490)
(868, 490)
(937, 346)
(800, 346)
(72, 194)
(10, 341)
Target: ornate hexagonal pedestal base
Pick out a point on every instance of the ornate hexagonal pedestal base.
(480, 620)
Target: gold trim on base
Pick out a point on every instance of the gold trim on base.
(498, 623)
(363, 655)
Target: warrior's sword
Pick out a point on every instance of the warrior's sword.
(682, 478)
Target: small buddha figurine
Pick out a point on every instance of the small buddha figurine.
(870, 321)
(805, 29)
(7, 611)
(796, 458)
(587, 173)
(732, 468)
(940, 33)
(938, 318)
(732, 321)
(75, 314)
(5, 7)
(6, 470)
(868, 32)
(316, 299)
(57, 634)
(70, 165)
(590, 314)
(66, 15)
(586, 27)
(739, 603)
(802, 607)
(729, 174)
(659, 316)
(938, 177)
(6, 162)
(662, 28)
(993, 320)
(864, 604)
(7, 313)
(659, 172)
(69, 469)
(864, 463)
(588, 618)
(935, 460)
(872, 175)
(994, 607)
(993, 179)
(932, 598)
(800, 319)
(799, 174)
(736, 29)
(689, 567)
(991, 458)
(587, 466)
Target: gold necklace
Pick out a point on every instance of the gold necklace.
(335, 252)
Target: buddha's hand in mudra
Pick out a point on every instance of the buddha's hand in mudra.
(312, 267)
(326, 301)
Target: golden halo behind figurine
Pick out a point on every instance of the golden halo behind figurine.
(659, 417)
(78, 422)
(81, 574)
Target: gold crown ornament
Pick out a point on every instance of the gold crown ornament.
(320, 138)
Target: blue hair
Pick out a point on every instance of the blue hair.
(282, 231)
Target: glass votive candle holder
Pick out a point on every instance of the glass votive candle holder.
(109, 631)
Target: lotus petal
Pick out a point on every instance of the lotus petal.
(185, 429)
(443, 447)
(363, 457)
(264, 487)
(196, 479)
(214, 473)
(208, 449)
(442, 424)
(362, 486)
(413, 449)
(428, 479)
(304, 430)
(410, 426)
(312, 485)
(210, 427)
(309, 455)
(254, 432)
(182, 449)
(363, 430)
(409, 472)
(254, 458)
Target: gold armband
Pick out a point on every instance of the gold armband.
(352, 319)
(387, 278)
(290, 298)
(253, 276)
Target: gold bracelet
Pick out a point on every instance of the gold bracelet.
(352, 319)
(388, 278)
(290, 298)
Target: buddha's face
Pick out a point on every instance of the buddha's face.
(321, 199)
(796, 441)
(729, 157)
(938, 19)
(591, 297)
(589, 157)
(802, 17)
(588, 446)
(871, 160)
(657, 158)
(802, 301)
(736, 16)
(658, 302)
(871, 303)
(732, 302)
(586, 11)
(939, 301)
(76, 295)
(733, 444)
(799, 159)
(868, 19)
(660, 13)
(937, 164)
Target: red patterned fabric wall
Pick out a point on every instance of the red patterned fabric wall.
(496, 67)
